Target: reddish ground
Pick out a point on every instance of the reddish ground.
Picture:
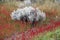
(9, 27)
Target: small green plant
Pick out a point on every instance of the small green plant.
(54, 35)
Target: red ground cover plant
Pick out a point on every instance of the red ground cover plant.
(9, 27)
(27, 35)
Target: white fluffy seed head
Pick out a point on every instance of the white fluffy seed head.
(16, 15)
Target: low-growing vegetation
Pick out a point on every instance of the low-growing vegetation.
(9, 27)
